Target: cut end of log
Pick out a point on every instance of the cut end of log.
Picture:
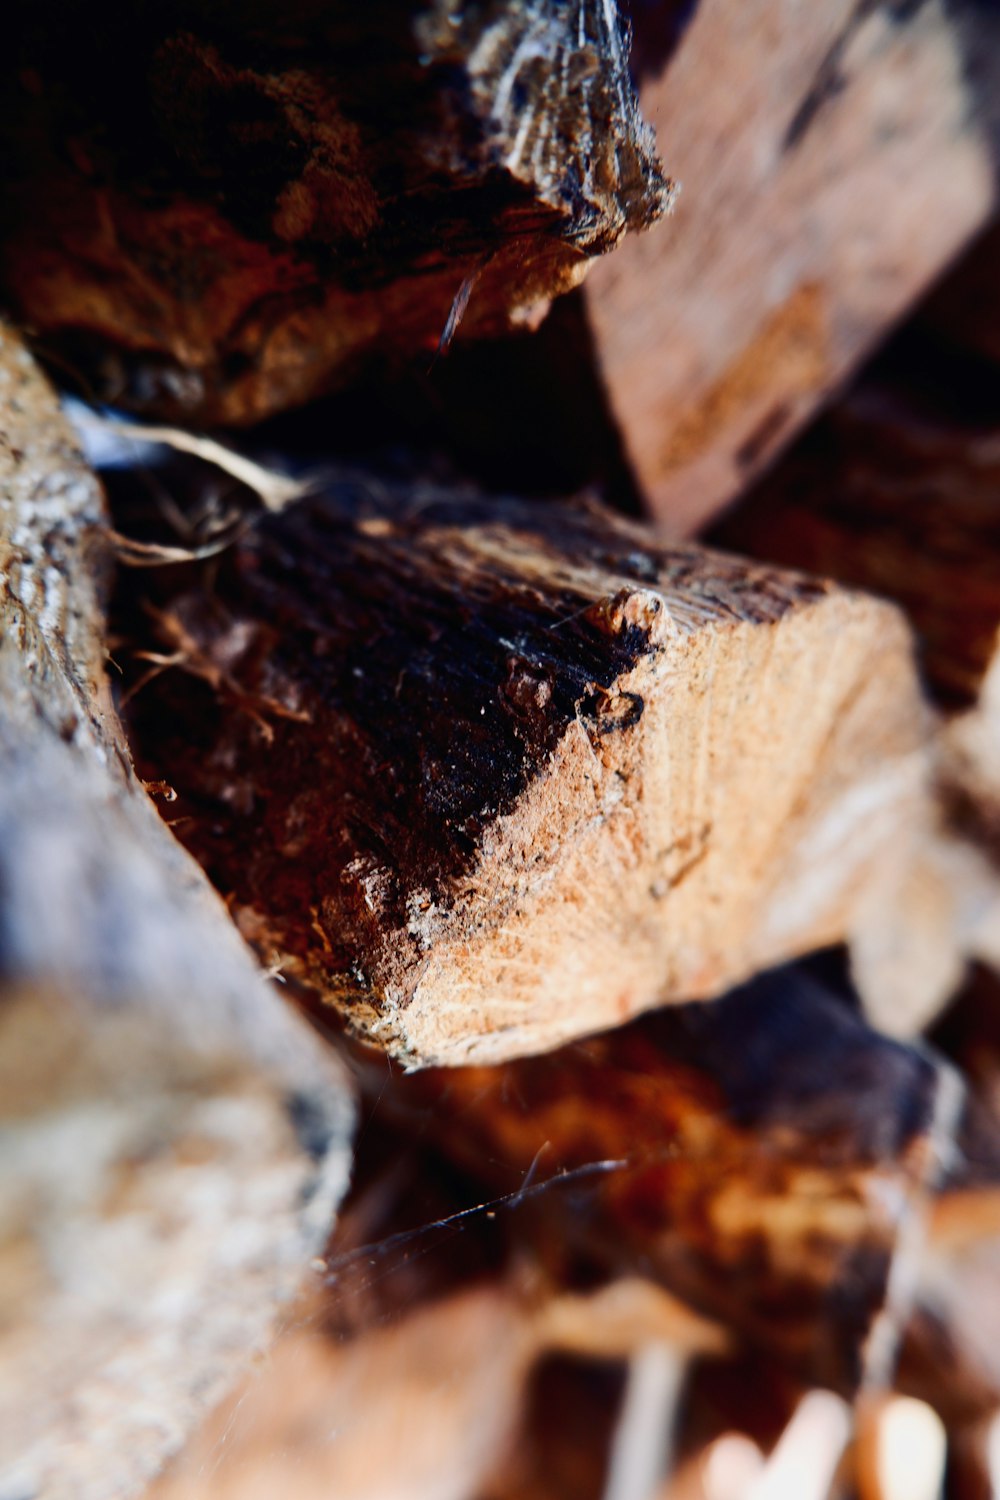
(490, 776)
(672, 843)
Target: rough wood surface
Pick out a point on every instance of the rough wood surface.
(415, 1365)
(832, 160)
(827, 1226)
(492, 775)
(270, 196)
(423, 1408)
(172, 1140)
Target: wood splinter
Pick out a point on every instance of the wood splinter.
(492, 775)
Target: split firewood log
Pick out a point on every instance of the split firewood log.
(265, 199)
(826, 1193)
(173, 1141)
(491, 775)
(423, 1408)
(832, 159)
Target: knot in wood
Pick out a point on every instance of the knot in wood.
(635, 609)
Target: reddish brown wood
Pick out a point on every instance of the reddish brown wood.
(832, 159)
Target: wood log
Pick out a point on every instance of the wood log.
(833, 160)
(492, 775)
(825, 1193)
(791, 1209)
(268, 198)
(172, 1139)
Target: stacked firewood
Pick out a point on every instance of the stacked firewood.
(529, 750)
